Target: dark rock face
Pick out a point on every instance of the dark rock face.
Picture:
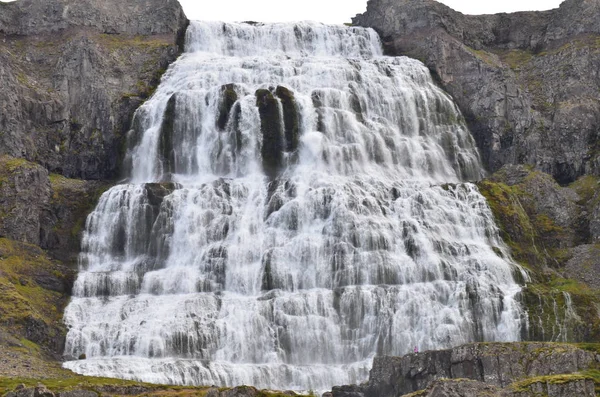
(290, 118)
(229, 98)
(165, 142)
(73, 73)
(495, 368)
(526, 82)
(24, 196)
(272, 134)
(62, 222)
(279, 125)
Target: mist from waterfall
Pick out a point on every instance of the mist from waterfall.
(297, 203)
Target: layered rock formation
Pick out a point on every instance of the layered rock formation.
(494, 369)
(527, 82)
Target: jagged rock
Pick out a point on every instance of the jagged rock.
(42, 391)
(347, 391)
(548, 228)
(68, 97)
(522, 80)
(595, 215)
(39, 391)
(469, 388)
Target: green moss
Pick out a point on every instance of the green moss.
(515, 59)
(516, 228)
(120, 42)
(587, 187)
(487, 57)
(524, 385)
(9, 164)
(537, 243)
(549, 313)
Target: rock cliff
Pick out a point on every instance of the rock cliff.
(72, 74)
(494, 369)
(527, 82)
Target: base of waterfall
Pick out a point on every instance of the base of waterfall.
(189, 372)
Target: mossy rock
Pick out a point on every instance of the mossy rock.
(562, 310)
(34, 292)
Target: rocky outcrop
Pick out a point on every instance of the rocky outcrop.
(499, 369)
(73, 73)
(526, 82)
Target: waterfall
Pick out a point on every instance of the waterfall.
(297, 203)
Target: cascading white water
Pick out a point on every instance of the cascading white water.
(298, 203)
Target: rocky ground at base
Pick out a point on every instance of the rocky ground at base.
(525, 369)
(80, 386)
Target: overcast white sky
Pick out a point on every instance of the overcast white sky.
(332, 11)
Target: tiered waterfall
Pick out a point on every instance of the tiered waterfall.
(297, 203)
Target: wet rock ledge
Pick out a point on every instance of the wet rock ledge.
(485, 369)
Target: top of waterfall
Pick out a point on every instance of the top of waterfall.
(297, 39)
